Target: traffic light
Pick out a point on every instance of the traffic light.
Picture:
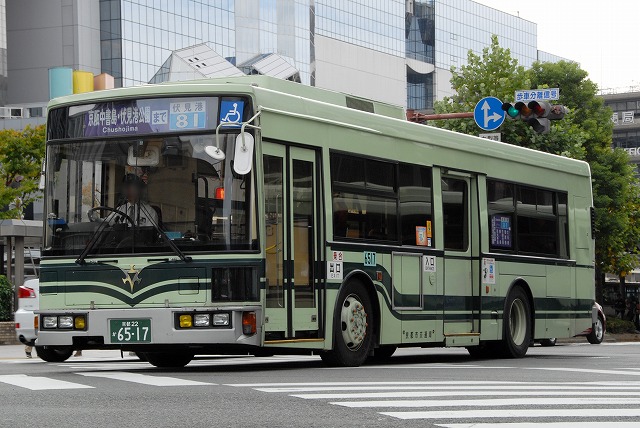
(536, 113)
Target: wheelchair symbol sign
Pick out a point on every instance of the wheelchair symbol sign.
(231, 113)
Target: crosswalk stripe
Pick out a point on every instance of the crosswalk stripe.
(439, 388)
(515, 413)
(428, 383)
(606, 424)
(485, 393)
(487, 402)
(37, 383)
(145, 379)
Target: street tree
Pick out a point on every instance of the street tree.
(21, 155)
(585, 133)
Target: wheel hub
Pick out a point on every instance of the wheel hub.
(354, 322)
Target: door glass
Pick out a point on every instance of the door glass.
(303, 233)
(274, 220)
(455, 214)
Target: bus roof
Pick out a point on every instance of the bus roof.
(314, 104)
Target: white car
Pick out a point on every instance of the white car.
(26, 320)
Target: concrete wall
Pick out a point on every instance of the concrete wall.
(443, 84)
(49, 33)
(348, 68)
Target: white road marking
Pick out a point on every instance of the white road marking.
(516, 413)
(451, 382)
(529, 387)
(37, 383)
(488, 402)
(146, 379)
(483, 393)
(581, 370)
(610, 424)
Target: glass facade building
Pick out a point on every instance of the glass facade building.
(442, 33)
(3, 52)
(401, 47)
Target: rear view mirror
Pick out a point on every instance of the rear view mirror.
(243, 159)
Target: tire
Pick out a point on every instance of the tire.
(169, 360)
(516, 333)
(484, 350)
(53, 355)
(597, 332)
(352, 327)
(382, 353)
(548, 342)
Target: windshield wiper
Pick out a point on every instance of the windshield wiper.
(164, 236)
(94, 239)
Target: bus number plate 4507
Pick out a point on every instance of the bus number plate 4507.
(130, 331)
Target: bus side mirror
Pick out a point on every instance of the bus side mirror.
(243, 159)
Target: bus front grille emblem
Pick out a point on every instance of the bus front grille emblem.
(131, 280)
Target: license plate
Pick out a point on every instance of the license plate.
(130, 331)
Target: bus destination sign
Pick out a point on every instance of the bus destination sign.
(150, 116)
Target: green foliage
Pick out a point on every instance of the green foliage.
(6, 298)
(585, 133)
(21, 154)
(617, 326)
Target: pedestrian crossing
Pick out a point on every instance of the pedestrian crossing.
(40, 383)
(461, 404)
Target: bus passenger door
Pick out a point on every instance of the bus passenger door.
(291, 197)
(461, 266)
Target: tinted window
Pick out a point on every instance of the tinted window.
(536, 221)
(415, 205)
(501, 214)
(360, 216)
(527, 220)
(454, 214)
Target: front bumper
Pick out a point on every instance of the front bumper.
(164, 333)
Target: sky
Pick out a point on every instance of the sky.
(603, 36)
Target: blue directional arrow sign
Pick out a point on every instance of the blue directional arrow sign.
(488, 113)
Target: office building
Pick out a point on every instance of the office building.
(626, 123)
(398, 51)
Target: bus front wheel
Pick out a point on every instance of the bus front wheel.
(352, 327)
(53, 355)
(516, 335)
(168, 359)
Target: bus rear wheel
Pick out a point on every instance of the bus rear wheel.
(516, 335)
(352, 327)
(597, 332)
(168, 359)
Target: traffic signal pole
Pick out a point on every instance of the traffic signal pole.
(414, 116)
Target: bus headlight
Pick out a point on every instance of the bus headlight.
(202, 320)
(221, 319)
(50, 322)
(65, 321)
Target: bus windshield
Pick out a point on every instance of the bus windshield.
(146, 194)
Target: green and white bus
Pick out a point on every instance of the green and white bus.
(255, 215)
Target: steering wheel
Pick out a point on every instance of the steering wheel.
(93, 218)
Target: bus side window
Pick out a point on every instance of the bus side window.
(415, 205)
(454, 214)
